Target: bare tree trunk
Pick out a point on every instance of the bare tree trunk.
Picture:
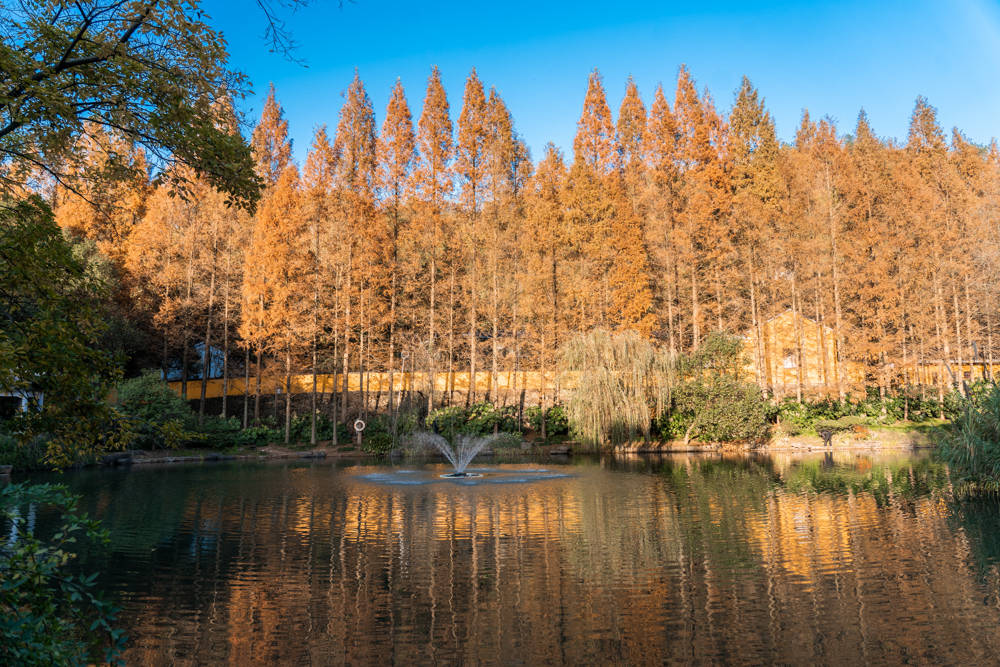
(695, 329)
(470, 396)
(346, 350)
(838, 327)
(225, 344)
(797, 326)
(451, 339)
(246, 388)
(206, 356)
(958, 340)
(256, 397)
(288, 393)
(495, 322)
(431, 367)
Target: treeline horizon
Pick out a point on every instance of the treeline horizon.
(445, 248)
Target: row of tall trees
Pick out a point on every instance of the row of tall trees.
(424, 244)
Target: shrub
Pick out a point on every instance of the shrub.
(48, 613)
(711, 403)
(556, 419)
(159, 417)
(719, 409)
(506, 441)
(480, 418)
(257, 436)
(28, 455)
(971, 447)
(376, 443)
(148, 398)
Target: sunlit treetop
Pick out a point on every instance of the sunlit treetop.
(152, 72)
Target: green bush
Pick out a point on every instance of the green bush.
(376, 443)
(718, 409)
(159, 417)
(971, 447)
(23, 456)
(710, 403)
(556, 419)
(148, 398)
(258, 436)
(480, 418)
(506, 441)
(50, 615)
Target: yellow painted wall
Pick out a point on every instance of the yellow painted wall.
(301, 383)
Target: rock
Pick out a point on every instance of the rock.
(117, 459)
(560, 450)
(5, 470)
(314, 454)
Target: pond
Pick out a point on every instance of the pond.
(847, 559)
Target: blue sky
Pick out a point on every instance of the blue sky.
(830, 57)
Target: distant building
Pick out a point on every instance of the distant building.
(797, 349)
(15, 401)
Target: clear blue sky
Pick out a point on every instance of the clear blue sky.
(830, 57)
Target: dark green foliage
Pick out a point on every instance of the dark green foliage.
(872, 410)
(159, 417)
(717, 408)
(51, 324)
(556, 419)
(148, 398)
(480, 418)
(710, 403)
(377, 443)
(49, 615)
(971, 447)
(156, 73)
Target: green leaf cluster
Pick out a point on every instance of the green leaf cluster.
(50, 615)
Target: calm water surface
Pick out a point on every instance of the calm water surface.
(857, 559)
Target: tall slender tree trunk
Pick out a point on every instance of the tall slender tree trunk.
(256, 396)
(797, 327)
(470, 396)
(960, 371)
(225, 346)
(345, 352)
(246, 388)
(288, 393)
(838, 327)
(430, 337)
(695, 330)
(206, 356)
(451, 339)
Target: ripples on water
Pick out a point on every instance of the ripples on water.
(744, 560)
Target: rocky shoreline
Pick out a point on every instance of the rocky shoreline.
(861, 440)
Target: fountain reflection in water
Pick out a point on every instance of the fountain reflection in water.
(460, 453)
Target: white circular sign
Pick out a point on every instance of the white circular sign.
(359, 425)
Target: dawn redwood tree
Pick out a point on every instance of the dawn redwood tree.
(272, 150)
(433, 179)
(470, 173)
(280, 294)
(317, 208)
(396, 155)
(359, 240)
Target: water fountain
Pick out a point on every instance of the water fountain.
(459, 454)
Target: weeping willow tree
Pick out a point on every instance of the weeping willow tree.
(622, 383)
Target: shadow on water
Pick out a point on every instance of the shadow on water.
(849, 558)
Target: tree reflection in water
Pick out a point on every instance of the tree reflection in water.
(743, 559)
